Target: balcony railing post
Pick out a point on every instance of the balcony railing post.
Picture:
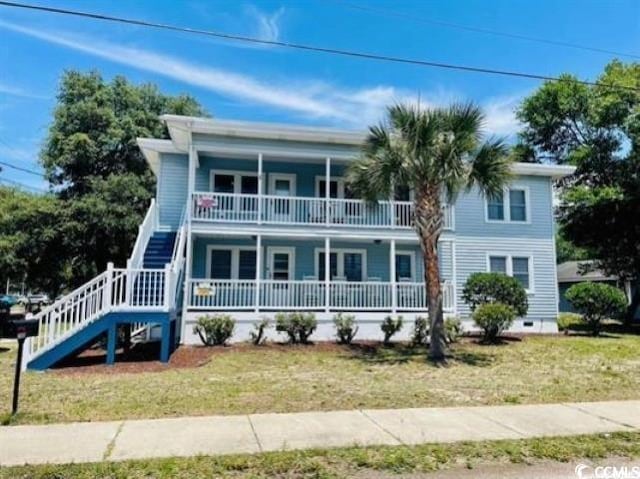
(258, 272)
(108, 287)
(327, 192)
(260, 188)
(392, 276)
(167, 286)
(327, 273)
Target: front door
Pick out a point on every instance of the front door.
(281, 187)
(281, 271)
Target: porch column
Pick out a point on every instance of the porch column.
(392, 206)
(188, 266)
(327, 191)
(392, 274)
(327, 273)
(260, 188)
(258, 271)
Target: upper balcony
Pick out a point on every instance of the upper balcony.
(297, 210)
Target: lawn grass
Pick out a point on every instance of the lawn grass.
(350, 462)
(244, 379)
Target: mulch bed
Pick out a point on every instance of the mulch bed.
(143, 357)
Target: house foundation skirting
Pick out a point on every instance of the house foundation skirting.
(368, 325)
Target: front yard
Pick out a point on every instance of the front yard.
(281, 378)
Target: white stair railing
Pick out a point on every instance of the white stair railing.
(116, 289)
(145, 231)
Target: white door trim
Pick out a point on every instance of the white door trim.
(338, 179)
(237, 174)
(282, 176)
(290, 250)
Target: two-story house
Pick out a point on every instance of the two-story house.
(251, 219)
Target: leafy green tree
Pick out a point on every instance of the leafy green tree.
(597, 129)
(436, 153)
(32, 245)
(96, 168)
(566, 250)
(95, 126)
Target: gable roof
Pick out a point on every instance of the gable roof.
(571, 272)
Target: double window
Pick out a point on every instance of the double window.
(511, 204)
(344, 265)
(231, 262)
(519, 267)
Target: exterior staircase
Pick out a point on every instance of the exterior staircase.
(159, 250)
(146, 293)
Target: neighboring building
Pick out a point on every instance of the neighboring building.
(259, 213)
(574, 272)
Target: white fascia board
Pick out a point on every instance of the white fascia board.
(538, 169)
(181, 127)
(272, 131)
(151, 149)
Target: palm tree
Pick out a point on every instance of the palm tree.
(436, 153)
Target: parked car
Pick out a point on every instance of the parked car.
(38, 299)
(6, 301)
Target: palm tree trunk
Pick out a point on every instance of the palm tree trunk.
(428, 221)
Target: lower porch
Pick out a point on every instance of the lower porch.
(312, 295)
(265, 274)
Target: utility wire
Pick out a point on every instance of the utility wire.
(19, 168)
(407, 16)
(305, 47)
(22, 185)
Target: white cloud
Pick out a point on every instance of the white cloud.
(12, 90)
(267, 24)
(346, 107)
(501, 115)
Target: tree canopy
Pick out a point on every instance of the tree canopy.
(100, 182)
(597, 129)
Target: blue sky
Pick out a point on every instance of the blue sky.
(238, 81)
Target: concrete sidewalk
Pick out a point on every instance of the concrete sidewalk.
(213, 435)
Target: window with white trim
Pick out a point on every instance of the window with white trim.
(405, 265)
(511, 205)
(518, 267)
(231, 262)
(347, 263)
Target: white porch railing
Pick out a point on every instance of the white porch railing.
(117, 289)
(297, 210)
(145, 232)
(311, 295)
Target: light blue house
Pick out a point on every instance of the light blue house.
(249, 218)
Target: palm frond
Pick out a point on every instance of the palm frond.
(490, 167)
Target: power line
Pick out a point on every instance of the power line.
(19, 168)
(22, 185)
(407, 16)
(311, 48)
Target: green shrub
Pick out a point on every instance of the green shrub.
(484, 288)
(215, 330)
(258, 335)
(346, 327)
(596, 302)
(452, 329)
(568, 321)
(493, 318)
(390, 327)
(420, 331)
(297, 326)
